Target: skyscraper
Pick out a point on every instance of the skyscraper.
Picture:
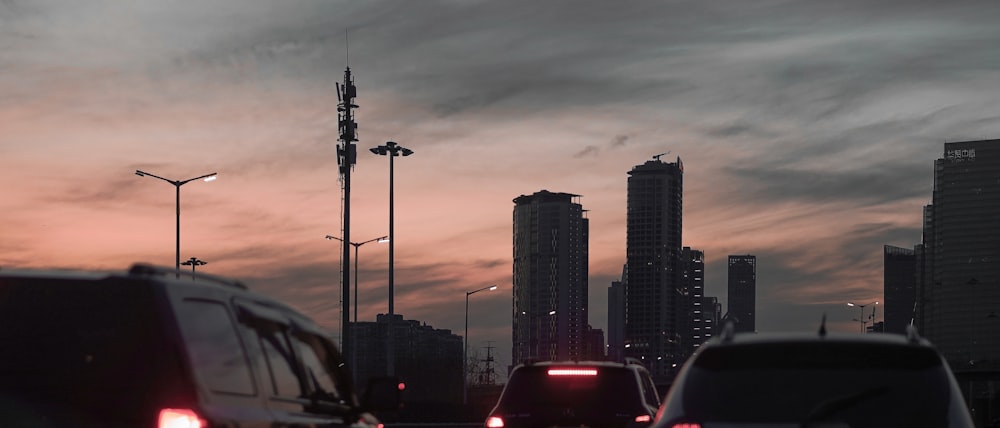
(743, 292)
(898, 283)
(653, 307)
(616, 320)
(692, 298)
(550, 278)
(958, 305)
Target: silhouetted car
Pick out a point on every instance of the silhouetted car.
(576, 394)
(814, 380)
(144, 348)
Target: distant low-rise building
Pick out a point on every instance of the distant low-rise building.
(427, 359)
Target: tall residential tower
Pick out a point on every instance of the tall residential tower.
(550, 278)
(654, 304)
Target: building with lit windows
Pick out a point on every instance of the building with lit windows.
(654, 304)
(550, 279)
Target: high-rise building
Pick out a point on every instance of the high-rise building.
(692, 298)
(711, 311)
(550, 278)
(616, 319)
(743, 292)
(899, 278)
(653, 306)
(958, 306)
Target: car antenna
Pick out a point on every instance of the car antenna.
(822, 326)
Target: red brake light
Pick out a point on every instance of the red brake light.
(643, 418)
(180, 418)
(572, 372)
(687, 425)
(494, 422)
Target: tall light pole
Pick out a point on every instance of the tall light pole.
(862, 308)
(178, 184)
(465, 354)
(392, 150)
(194, 262)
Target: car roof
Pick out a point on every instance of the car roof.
(730, 338)
(629, 363)
(168, 276)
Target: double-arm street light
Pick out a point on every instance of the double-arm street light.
(862, 308)
(390, 149)
(357, 245)
(353, 350)
(194, 262)
(465, 354)
(177, 184)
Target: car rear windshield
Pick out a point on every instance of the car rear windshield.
(861, 384)
(95, 347)
(613, 389)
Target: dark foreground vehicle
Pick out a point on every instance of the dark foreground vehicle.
(145, 349)
(576, 394)
(770, 380)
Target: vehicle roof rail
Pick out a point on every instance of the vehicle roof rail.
(911, 334)
(145, 269)
(728, 331)
(633, 360)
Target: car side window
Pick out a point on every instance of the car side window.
(316, 363)
(649, 390)
(280, 362)
(214, 346)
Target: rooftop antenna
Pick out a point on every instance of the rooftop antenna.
(657, 157)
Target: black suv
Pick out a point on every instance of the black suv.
(814, 380)
(144, 348)
(576, 394)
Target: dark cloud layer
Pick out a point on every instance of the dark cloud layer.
(783, 111)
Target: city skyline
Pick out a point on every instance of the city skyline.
(808, 132)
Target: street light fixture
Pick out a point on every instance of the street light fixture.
(353, 349)
(391, 149)
(357, 245)
(193, 262)
(465, 354)
(863, 319)
(177, 184)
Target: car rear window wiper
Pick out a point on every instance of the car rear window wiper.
(835, 405)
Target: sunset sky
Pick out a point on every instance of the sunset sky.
(807, 129)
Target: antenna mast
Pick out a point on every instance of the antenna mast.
(346, 158)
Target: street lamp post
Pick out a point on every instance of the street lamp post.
(392, 150)
(178, 184)
(465, 354)
(356, 245)
(194, 262)
(862, 308)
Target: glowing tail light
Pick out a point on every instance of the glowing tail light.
(572, 372)
(494, 422)
(687, 425)
(643, 418)
(180, 418)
